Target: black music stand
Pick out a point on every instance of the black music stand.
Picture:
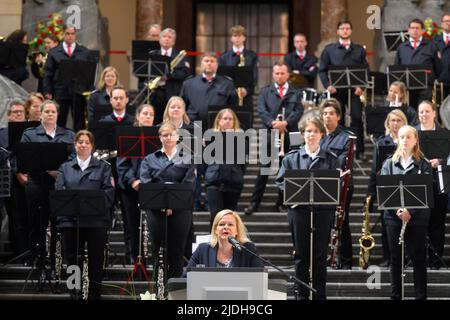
(245, 116)
(159, 196)
(375, 117)
(140, 50)
(415, 77)
(15, 132)
(77, 204)
(311, 188)
(393, 39)
(137, 142)
(384, 152)
(348, 77)
(36, 158)
(435, 144)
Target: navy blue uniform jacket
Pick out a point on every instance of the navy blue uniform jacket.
(444, 55)
(303, 66)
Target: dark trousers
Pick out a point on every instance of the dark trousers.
(77, 106)
(346, 249)
(38, 206)
(178, 225)
(300, 223)
(201, 168)
(356, 125)
(384, 238)
(131, 221)
(219, 200)
(260, 188)
(159, 100)
(415, 241)
(16, 207)
(96, 241)
(436, 229)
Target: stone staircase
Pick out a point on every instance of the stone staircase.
(269, 230)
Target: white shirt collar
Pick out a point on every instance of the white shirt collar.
(423, 129)
(119, 115)
(169, 51)
(418, 41)
(444, 35)
(241, 49)
(310, 154)
(285, 87)
(349, 42)
(51, 133)
(83, 163)
(302, 53)
(72, 46)
(406, 163)
(170, 156)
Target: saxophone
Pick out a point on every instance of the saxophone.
(160, 281)
(366, 242)
(240, 92)
(85, 276)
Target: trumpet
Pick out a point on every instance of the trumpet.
(155, 83)
(366, 242)
(240, 90)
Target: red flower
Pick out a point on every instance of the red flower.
(435, 24)
(49, 16)
(51, 28)
(43, 35)
(434, 31)
(39, 42)
(59, 21)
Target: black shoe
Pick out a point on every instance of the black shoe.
(251, 208)
(384, 263)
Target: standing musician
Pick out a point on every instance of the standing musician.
(37, 66)
(167, 165)
(436, 229)
(224, 182)
(171, 83)
(128, 182)
(407, 159)
(38, 185)
(419, 51)
(102, 95)
(86, 172)
(346, 53)
(394, 121)
(442, 43)
(337, 140)
(153, 32)
(272, 101)
(310, 157)
(300, 62)
(235, 56)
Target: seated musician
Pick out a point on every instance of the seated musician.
(397, 97)
(102, 96)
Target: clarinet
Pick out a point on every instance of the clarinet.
(85, 276)
(340, 210)
(160, 282)
(59, 259)
(145, 235)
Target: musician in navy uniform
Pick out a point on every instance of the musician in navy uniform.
(38, 185)
(86, 172)
(233, 58)
(442, 43)
(394, 121)
(119, 101)
(67, 50)
(310, 157)
(171, 82)
(207, 89)
(300, 62)
(436, 231)
(102, 96)
(346, 53)
(337, 140)
(419, 51)
(271, 101)
(407, 159)
(128, 183)
(168, 165)
(398, 98)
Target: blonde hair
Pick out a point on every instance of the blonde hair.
(166, 117)
(403, 90)
(31, 96)
(240, 227)
(237, 30)
(396, 112)
(167, 126)
(416, 152)
(101, 82)
(236, 124)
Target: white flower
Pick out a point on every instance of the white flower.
(148, 296)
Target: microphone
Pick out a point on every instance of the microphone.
(234, 242)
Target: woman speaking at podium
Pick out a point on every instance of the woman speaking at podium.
(407, 159)
(168, 165)
(310, 157)
(86, 172)
(219, 252)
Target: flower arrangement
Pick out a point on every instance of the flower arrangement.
(431, 29)
(45, 28)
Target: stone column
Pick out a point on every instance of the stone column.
(10, 16)
(147, 13)
(332, 11)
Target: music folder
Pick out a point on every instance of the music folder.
(435, 144)
(38, 157)
(77, 75)
(242, 76)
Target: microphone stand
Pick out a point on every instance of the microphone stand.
(267, 262)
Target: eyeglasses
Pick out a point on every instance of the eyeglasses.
(446, 21)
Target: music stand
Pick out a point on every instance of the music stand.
(158, 196)
(245, 116)
(137, 142)
(435, 144)
(15, 132)
(140, 50)
(311, 188)
(384, 152)
(77, 204)
(375, 117)
(348, 77)
(413, 76)
(393, 39)
(413, 191)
